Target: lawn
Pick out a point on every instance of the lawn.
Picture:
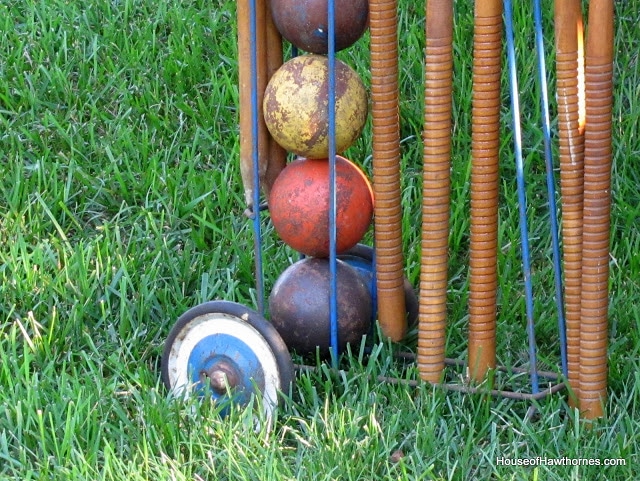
(121, 207)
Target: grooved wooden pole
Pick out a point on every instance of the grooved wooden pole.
(597, 209)
(386, 168)
(485, 142)
(570, 89)
(436, 186)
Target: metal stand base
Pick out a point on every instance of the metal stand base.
(554, 387)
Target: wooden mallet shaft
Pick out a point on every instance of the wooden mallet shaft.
(485, 143)
(386, 168)
(436, 188)
(245, 93)
(570, 89)
(597, 209)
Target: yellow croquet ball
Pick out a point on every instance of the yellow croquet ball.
(296, 104)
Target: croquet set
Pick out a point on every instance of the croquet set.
(298, 115)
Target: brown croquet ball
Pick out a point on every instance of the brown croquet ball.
(304, 22)
(296, 103)
(299, 306)
(299, 205)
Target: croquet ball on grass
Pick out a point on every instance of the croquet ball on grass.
(304, 22)
(299, 205)
(299, 306)
(296, 103)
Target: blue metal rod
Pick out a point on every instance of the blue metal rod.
(522, 201)
(257, 234)
(551, 189)
(333, 267)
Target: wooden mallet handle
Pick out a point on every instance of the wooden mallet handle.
(386, 168)
(436, 188)
(570, 87)
(245, 93)
(485, 143)
(597, 209)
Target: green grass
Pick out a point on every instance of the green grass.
(121, 207)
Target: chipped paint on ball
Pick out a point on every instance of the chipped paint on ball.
(305, 25)
(299, 205)
(296, 106)
(299, 306)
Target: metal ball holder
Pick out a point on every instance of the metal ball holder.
(231, 353)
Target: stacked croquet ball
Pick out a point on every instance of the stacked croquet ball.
(295, 107)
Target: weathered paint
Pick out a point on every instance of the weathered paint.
(296, 106)
(299, 205)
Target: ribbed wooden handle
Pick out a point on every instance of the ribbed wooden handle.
(569, 67)
(597, 209)
(485, 142)
(436, 187)
(386, 168)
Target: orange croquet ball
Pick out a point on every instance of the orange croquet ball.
(296, 104)
(304, 22)
(299, 205)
